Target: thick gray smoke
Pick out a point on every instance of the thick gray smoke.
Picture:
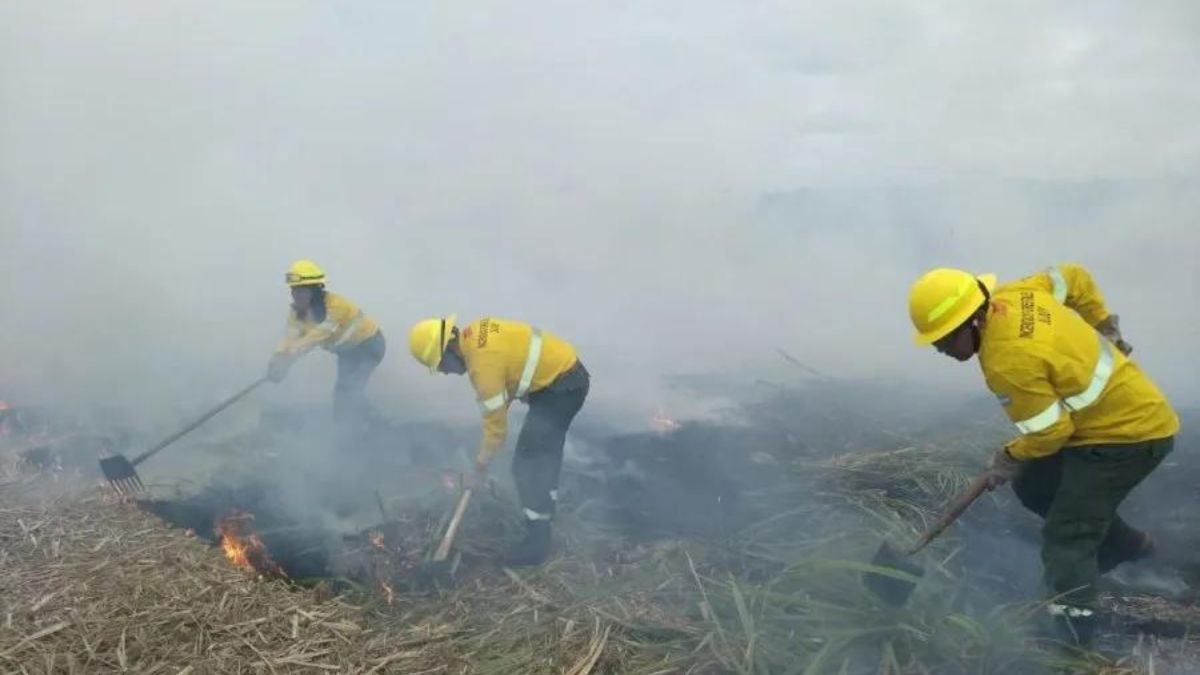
(681, 188)
(676, 187)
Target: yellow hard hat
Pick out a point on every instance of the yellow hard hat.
(304, 273)
(942, 300)
(428, 339)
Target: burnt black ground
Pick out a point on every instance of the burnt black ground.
(301, 546)
(702, 481)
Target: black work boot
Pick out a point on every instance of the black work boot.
(1146, 547)
(534, 548)
(1140, 546)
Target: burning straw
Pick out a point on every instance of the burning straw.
(90, 586)
(243, 547)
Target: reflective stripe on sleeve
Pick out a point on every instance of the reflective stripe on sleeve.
(1041, 421)
(493, 404)
(1060, 284)
(531, 363)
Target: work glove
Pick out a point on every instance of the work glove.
(278, 367)
(1001, 468)
(1111, 329)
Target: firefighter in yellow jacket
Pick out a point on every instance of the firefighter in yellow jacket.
(511, 361)
(1091, 425)
(319, 318)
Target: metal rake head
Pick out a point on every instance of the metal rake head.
(121, 475)
(894, 577)
(439, 575)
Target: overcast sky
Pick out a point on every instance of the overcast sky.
(673, 186)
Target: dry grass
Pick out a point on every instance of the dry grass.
(92, 585)
(95, 586)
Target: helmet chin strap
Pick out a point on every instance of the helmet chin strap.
(976, 333)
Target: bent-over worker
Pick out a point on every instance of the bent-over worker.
(509, 361)
(319, 318)
(1091, 423)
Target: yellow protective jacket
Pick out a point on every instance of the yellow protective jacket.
(345, 326)
(507, 361)
(1059, 380)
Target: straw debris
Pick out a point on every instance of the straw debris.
(90, 585)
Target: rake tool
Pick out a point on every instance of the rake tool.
(121, 472)
(895, 588)
(439, 570)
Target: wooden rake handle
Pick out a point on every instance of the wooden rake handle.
(443, 549)
(955, 509)
(201, 420)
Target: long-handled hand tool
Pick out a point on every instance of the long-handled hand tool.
(438, 570)
(120, 471)
(895, 589)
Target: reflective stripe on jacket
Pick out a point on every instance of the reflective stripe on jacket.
(1060, 382)
(507, 361)
(1070, 285)
(345, 326)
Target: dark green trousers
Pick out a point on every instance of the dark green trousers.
(537, 461)
(1077, 492)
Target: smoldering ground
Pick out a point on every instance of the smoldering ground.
(796, 484)
(680, 188)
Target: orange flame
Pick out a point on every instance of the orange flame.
(243, 547)
(387, 590)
